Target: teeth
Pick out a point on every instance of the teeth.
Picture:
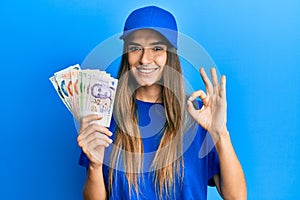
(145, 70)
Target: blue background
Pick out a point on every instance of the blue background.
(255, 43)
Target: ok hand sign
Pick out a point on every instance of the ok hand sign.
(213, 114)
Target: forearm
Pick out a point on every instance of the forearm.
(232, 180)
(94, 188)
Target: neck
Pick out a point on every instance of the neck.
(150, 93)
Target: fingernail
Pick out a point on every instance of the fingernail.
(99, 116)
(191, 98)
(110, 140)
(110, 133)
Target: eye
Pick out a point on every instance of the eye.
(134, 48)
(158, 48)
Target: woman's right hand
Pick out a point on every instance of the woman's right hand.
(92, 139)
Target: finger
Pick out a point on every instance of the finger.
(98, 136)
(92, 128)
(85, 121)
(201, 94)
(214, 77)
(93, 125)
(94, 140)
(191, 109)
(223, 87)
(98, 142)
(206, 80)
(89, 118)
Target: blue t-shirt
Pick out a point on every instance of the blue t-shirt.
(201, 161)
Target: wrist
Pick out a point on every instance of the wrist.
(95, 167)
(95, 173)
(216, 135)
(223, 140)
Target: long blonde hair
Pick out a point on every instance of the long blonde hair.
(127, 154)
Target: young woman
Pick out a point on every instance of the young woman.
(161, 140)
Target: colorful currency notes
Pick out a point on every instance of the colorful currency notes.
(86, 92)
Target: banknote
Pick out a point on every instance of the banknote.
(63, 80)
(101, 95)
(86, 91)
(75, 92)
(59, 92)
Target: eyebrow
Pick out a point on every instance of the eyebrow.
(159, 43)
(153, 43)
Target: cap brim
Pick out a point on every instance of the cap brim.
(168, 34)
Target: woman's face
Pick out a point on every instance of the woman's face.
(147, 56)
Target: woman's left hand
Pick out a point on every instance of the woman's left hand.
(213, 114)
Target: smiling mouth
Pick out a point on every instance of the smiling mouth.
(146, 70)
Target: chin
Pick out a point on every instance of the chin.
(147, 84)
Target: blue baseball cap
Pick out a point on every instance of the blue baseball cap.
(155, 18)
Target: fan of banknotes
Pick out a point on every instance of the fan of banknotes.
(86, 92)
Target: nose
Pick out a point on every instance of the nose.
(146, 57)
